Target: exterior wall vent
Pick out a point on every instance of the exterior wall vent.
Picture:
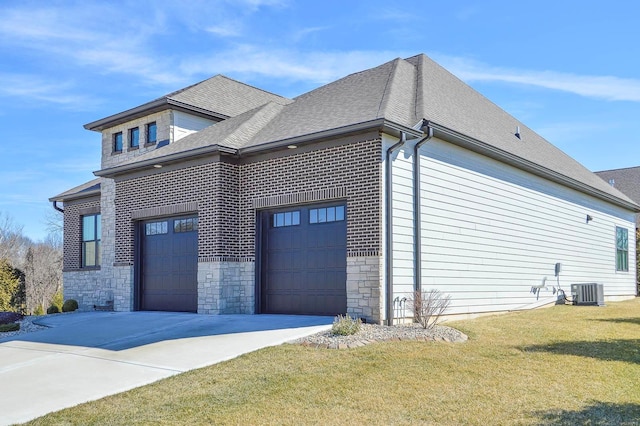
(588, 294)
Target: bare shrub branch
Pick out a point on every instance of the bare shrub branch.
(428, 306)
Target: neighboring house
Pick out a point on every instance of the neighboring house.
(223, 198)
(625, 180)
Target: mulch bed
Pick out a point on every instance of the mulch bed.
(9, 317)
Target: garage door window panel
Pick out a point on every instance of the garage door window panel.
(326, 214)
(156, 228)
(185, 225)
(291, 218)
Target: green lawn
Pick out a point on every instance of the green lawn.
(563, 365)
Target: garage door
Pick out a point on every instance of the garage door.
(304, 260)
(169, 265)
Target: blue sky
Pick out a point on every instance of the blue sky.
(568, 69)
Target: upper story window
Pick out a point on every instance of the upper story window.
(91, 231)
(134, 138)
(622, 249)
(151, 133)
(117, 142)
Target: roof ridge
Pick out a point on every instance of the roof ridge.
(616, 170)
(226, 78)
(268, 111)
(386, 95)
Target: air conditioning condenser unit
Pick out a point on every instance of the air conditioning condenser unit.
(588, 294)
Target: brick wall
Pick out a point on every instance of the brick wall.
(225, 193)
(72, 229)
(354, 167)
(200, 184)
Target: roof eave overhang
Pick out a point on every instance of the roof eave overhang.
(480, 147)
(150, 108)
(77, 196)
(380, 124)
(158, 162)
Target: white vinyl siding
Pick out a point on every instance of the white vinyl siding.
(490, 232)
(403, 234)
(186, 124)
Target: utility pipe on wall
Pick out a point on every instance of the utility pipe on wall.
(417, 209)
(389, 228)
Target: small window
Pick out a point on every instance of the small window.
(291, 218)
(134, 137)
(156, 228)
(117, 142)
(151, 133)
(326, 214)
(185, 225)
(622, 249)
(91, 231)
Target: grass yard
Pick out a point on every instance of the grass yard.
(564, 365)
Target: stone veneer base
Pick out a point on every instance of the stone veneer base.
(364, 288)
(226, 287)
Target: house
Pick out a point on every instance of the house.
(627, 181)
(223, 198)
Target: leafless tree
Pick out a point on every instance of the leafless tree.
(43, 274)
(13, 244)
(54, 220)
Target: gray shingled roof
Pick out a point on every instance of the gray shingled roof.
(446, 100)
(90, 188)
(225, 96)
(230, 133)
(402, 92)
(627, 180)
(218, 96)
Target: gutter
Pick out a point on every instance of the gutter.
(380, 123)
(170, 158)
(55, 206)
(417, 208)
(149, 108)
(475, 145)
(389, 229)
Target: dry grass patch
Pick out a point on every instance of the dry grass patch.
(563, 365)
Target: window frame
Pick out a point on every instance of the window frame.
(328, 214)
(117, 141)
(285, 218)
(147, 132)
(622, 249)
(134, 131)
(94, 239)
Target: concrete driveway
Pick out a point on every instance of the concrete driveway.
(89, 355)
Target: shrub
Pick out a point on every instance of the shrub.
(53, 309)
(69, 305)
(345, 325)
(9, 317)
(428, 306)
(58, 300)
(39, 310)
(9, 327)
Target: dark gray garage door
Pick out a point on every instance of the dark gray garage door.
(169, 265)
(304, 260)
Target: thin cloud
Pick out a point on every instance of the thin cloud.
(227, 29)
(315, 67)
(608, 88)
(34, 88)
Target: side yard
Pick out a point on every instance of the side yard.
(563, 365)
